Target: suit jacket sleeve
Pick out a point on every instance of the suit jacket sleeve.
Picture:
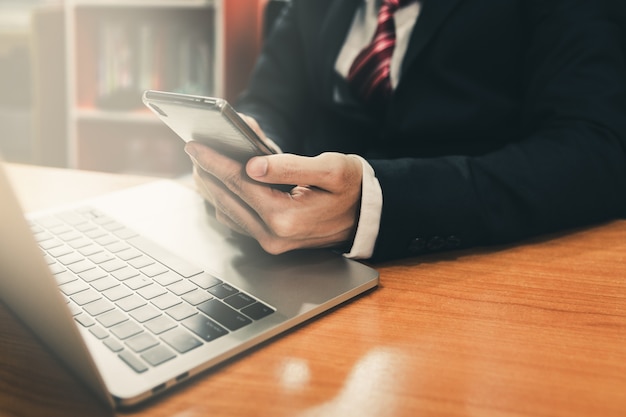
(561, 166)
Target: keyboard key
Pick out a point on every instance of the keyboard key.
(113, 344)
(166, 301)
(50, 244)
(117, 293)
(157, 355)
(86, 227)
(69, 236)
(112, 318)
(95, 233)
(81, 242)
(125, 273)
(197, 297)
(224, 315)
(142, 342)
(141, 262)
(99, 332)
(64, 277)
(239, 301)
(131, 302)
(153, 270)
(168, 278)
(92, 275)
(86, 297)
(205, 281)
(204, 327)
(113, 265)
(81, 266)
(98, 307)
(105, 283)
(60, 251)
(182, 287)
(101, 257)
(164, 256)
(125, 233)
(257, 311)
(70, 258)
(129, 254)
(105, 240)
(127, 329)
(160, 324)
(101, 219)
(90, 250)
(84, 320)
(223, 290)
(132, 361)
(137, 282)
(151, 291)
(73, 287)
(144, 313)
(112, 226)
(181, 311)
(117, 247)
(181, 340)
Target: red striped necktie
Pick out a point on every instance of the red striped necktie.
(369, 74)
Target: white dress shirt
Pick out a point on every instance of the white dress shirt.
(359, 36)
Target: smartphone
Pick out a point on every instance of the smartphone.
(209, 120)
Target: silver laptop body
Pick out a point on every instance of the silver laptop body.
(291, 288)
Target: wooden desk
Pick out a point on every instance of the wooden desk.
(537, 329)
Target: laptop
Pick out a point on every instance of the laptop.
(139, 290)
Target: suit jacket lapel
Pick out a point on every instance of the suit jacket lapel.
(432, 15)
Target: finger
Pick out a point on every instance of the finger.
(210, 160)
(230, 173)
(328, 171)
(254, 125)
(231, 209)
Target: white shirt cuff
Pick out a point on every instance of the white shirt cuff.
(369, 219)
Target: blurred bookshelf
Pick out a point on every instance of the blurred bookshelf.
(15, 80)
(94, 58)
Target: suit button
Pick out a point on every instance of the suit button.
(436, 243)
(417, 245)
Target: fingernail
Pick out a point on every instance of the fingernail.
(257, 167)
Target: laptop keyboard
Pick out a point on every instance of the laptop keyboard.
(144, 303)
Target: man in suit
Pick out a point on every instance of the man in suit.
(507, 119)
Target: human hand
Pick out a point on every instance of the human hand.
(320, 212)
(254, 125)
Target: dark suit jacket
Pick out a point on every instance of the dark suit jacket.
(509, 119)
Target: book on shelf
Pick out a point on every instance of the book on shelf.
(135, 56)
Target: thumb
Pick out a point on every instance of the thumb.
(326, 171)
